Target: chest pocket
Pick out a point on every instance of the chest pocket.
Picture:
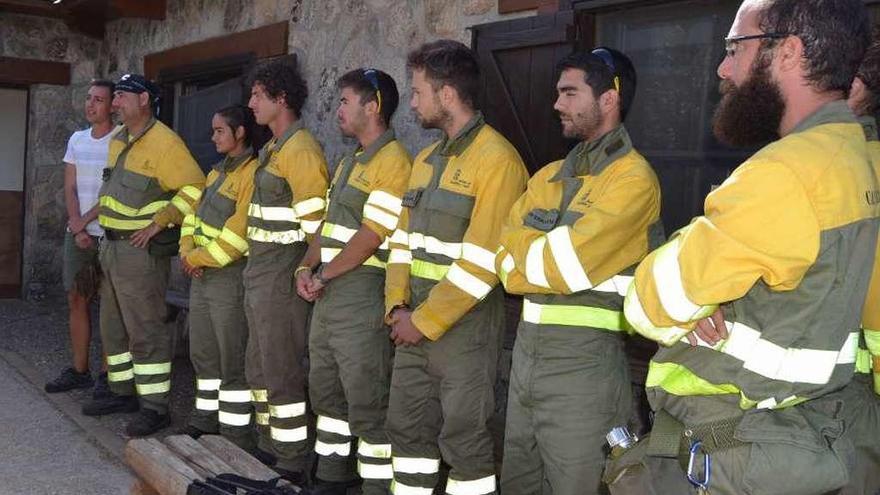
(136, 188)
(353, 200)
(272, 190)
(217, 210)
(450, 214)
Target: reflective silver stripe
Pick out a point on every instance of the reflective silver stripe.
(415, 465)
(375, 471)
(153, 388)
(401, 256)
(332, 425)
(237, 396)
(535, 274)
(120, 376)
(433, 245)
(337, 232)
(670, 287)
(234, 419)
(479, 256)
(207, 404)
(288, 434)
(378, 451)
(208, 384)
(398, 488)
(273, 213)
(328, 449)
(567, 262)
(281, 237)
(309, 206)
(467, 282)
(381, 217)
(262, 419)
(152, 369)
(259, 395)
(480, 486)
(292, 410)
(310, 226)
(122, 358)
(400, 236)
(386, 200)
(617, 284)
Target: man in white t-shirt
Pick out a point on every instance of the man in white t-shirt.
(84, 163)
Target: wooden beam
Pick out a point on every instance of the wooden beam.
(28, 71)
(42, 8)
(508, 6)
(266, 41)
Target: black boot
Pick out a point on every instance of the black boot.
(147, 423)
(332, 487)
(102, 388)
(195, 432)
(69, 379)
(111, 405)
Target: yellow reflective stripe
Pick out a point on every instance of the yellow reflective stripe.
(123, 209)
(328, 449)
(272, 213)
(201, 240)
(283, 411)
(479, 256)
(863, 361)
(116, 224)
(185, 231)
(337, 232)
(670, 287)
(426, 269)
(182, 205)
(467, 282)
(309, 206)
(207, 404)
(281, 237)
(328, 254)
(872, 339)
(535, 274)
(235, 396)
(189, 221)
(153, 388)
(398, 488)
(507, 266)
(577, 316)
(192, 192)
(262, 418)
(152, 369)
(234, 419)
(635, 315)
(208, 384)
(332, 425)
(288, 434)
(217, 252)
(679, 380)
(480, 486)
(433, 245)
(415, 465)
(114, 359)
(401, 256)
(120, 376)
(375, 450)
(567, 262)
(208, 230)
(375, 471)
(259, 395)
(385, 200)
(233, 240)
(381, 217)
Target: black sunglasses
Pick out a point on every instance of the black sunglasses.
(730, 41)
(608, 59)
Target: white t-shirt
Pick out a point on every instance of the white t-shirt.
(89, 156)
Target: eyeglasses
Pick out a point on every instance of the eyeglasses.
(372, 76)
(730, 42)
(608, 59)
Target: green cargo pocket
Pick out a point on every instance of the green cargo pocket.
(794, 451)
(217, 210)
(135, 189)
(450, 215)
(165, 243)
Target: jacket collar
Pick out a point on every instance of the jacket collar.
(835, 112)
(869, 125)
(230, 163)
(591, 158)
(365, 155)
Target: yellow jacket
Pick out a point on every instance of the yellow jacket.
(214, 235)
(871, 311)
(152, 177)
(449, 227)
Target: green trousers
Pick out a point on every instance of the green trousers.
(349, 378)
(861, 416)
(218, 335)
(442, 397)
(134, 333)
(278, 322)
(569, 386)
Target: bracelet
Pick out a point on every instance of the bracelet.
(320, 276)
(301, 268)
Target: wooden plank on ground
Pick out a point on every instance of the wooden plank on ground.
(241, 462)
(140, 487)
(154, 463)
(195, 454)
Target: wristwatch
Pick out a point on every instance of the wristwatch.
(319, 274)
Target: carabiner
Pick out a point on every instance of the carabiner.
(703, 484)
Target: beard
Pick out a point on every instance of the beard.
(750, 115)
(437, 119)
(582, 125)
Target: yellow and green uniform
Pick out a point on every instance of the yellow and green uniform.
(442, 264)
(786, 245)
(213, 239)
(290, 185)
(150, 177)
(570, 247)
(349, 349)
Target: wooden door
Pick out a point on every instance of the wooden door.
(13, 128)
(196, 111)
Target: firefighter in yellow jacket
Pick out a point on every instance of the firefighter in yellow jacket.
(151, 182)
(442, 293)
(212, 250)
(570, 247)
(861, 399)
(290, 185)
(786, 245)
(349, 350)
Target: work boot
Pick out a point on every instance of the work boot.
(111, 405)
(296, 478)
(261, 455)
(102, 388)
(69, 379)
(332, 487)
(147, 423)
(195, 432)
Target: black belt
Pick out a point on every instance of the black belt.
(117, 235)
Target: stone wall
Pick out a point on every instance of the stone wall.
(328, 36)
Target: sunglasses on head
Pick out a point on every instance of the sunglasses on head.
(372, 76)
(608, 59)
